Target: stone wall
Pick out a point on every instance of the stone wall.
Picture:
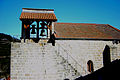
(84, 50)
(39, 61)
(27, 61)
(42, 61)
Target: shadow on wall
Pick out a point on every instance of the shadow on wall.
(106, 55)
(108, 72)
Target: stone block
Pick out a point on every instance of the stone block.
(33, 61)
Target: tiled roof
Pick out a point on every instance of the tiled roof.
(38, 14)
(86, 31)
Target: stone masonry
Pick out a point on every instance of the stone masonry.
(84, 50)
(39, 61)
(67, 59)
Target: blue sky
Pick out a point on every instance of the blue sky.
(72, 11)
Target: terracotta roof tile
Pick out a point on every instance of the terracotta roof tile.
(38, 14)
(87, 31)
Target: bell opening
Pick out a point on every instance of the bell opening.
(42, 33)
(33, 29)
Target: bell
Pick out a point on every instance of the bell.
(42, 32)
(43, 24)
(33, 29)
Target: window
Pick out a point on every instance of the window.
(90, 66)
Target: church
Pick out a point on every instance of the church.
(50, 50)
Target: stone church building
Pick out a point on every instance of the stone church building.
(56, 51)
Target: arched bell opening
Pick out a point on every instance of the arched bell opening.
(33, 30)
(43, 30)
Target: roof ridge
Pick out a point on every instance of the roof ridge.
(80, 23)
(38, 9)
